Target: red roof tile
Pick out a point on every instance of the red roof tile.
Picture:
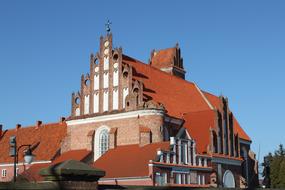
(135, 157)
(73, 155)
(177, 95)
(32, 174)
(198, 125)
(45, 139)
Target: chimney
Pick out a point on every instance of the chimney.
(1, 128)
(38, 124)
(18, 126)
(62, 119)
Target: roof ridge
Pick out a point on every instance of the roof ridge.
(34, 126)
(204, 97)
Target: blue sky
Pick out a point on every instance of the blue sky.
(233, 48)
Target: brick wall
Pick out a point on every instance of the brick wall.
(127, 131)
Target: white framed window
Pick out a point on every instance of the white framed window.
(199, 179)
(160, 178)
(178, 178)
(203, 179)
(188, 180)
(103, 141)
(164, 177)
(4, 172)
(186, 153)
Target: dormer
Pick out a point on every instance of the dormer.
(168, 60)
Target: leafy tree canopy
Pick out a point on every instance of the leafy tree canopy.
(274, 169)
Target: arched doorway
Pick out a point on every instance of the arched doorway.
(228, 179)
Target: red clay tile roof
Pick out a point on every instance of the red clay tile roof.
(198, 125)
(216, 102)
(45, 139)
(32, 174)
(177, 95)
(73, 155)
(135, 157)
(163, 58)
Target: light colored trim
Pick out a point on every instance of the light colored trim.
(180, 171)
(188, 135)
(173, 68)
(125, 178)
(23, 163)
(204, 97)
(116, 116)
(167, 69)
(244, 141)
(226, 161)
(182, 167)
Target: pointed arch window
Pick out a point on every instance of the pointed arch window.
(103, 141)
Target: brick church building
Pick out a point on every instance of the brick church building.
(143, 124)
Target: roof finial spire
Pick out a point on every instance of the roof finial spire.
(108, 29)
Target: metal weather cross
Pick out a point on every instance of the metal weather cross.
(108, 29)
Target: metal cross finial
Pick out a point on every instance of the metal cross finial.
(108, 29)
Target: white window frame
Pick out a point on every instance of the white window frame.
(103, 142)
(188, 178)
(97, 141)
(4, 172)
(178, 178)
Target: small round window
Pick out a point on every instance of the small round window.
(77, 101)
(87, 82)
(116, 57)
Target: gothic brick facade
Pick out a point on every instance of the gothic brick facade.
(144, 124)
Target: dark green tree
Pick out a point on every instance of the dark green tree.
(274, 169)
